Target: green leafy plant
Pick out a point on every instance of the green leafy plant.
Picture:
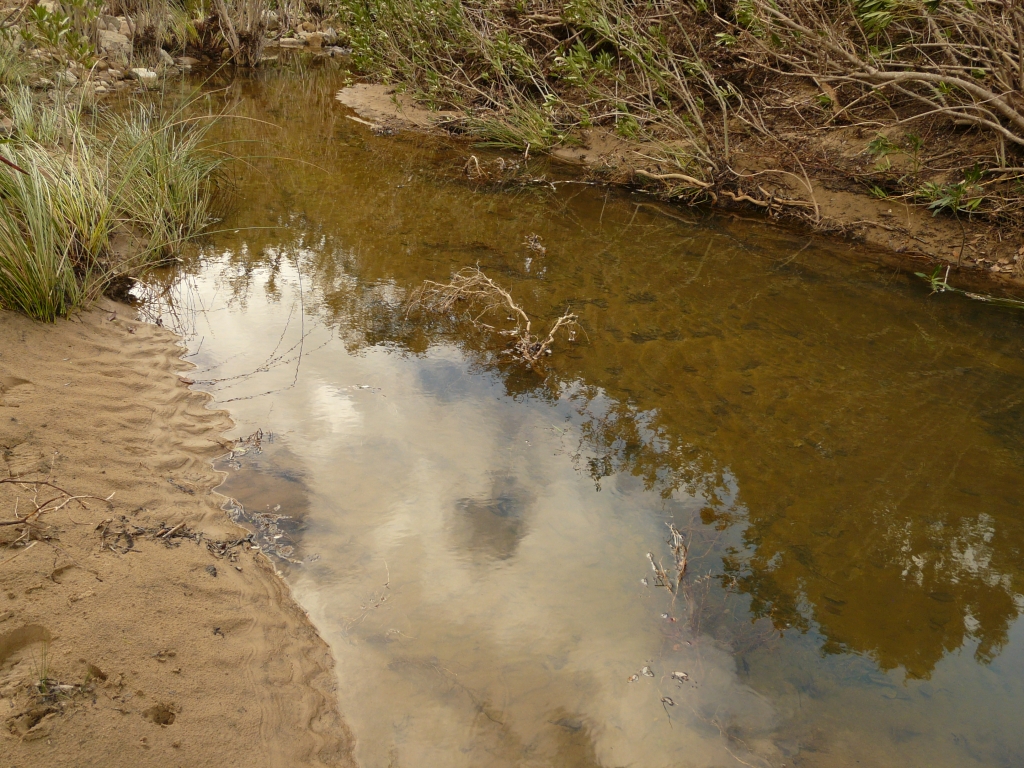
(939, 282)
(962, 197)
(915, 145)
(65, 36)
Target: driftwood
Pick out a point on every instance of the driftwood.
(481, 296)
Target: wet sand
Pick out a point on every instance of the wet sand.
(159, 644)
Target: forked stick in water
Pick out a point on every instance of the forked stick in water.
(482, 296)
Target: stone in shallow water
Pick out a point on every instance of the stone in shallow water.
(147, 77)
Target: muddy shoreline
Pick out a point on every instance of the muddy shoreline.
(140, 630)
(981, 256)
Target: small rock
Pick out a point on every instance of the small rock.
(292, 42)
(315, 40)
(307, 27)
(116, 45)
(147, 77)
(186, 61)
(165, 57)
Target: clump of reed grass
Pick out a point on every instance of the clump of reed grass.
(172, 177)
(13, 67)
(72, 184)
(38, 274)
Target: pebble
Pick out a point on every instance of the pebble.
(147, 77)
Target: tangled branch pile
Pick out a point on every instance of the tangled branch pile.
(480, 297)
(956, 58)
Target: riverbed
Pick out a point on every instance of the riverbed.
(840, 451)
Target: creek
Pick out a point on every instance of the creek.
(842, 452)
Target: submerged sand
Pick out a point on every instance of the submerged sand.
(160, 639)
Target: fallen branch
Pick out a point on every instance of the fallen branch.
(65, 498)
(482, 296)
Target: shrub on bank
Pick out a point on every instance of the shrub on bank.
(691, 80)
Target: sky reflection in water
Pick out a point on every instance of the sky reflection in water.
(843, 453)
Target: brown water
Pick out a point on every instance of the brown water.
(843, 452)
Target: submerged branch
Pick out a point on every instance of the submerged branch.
(482, 296)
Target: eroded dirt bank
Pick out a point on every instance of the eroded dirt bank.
(979, 253)
(138, 632)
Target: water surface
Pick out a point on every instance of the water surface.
(842, 452)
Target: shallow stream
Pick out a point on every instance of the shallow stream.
(842, 453)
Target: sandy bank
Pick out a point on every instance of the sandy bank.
(159, 642)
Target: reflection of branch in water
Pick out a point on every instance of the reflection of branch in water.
(377, 602)
(182, 302)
